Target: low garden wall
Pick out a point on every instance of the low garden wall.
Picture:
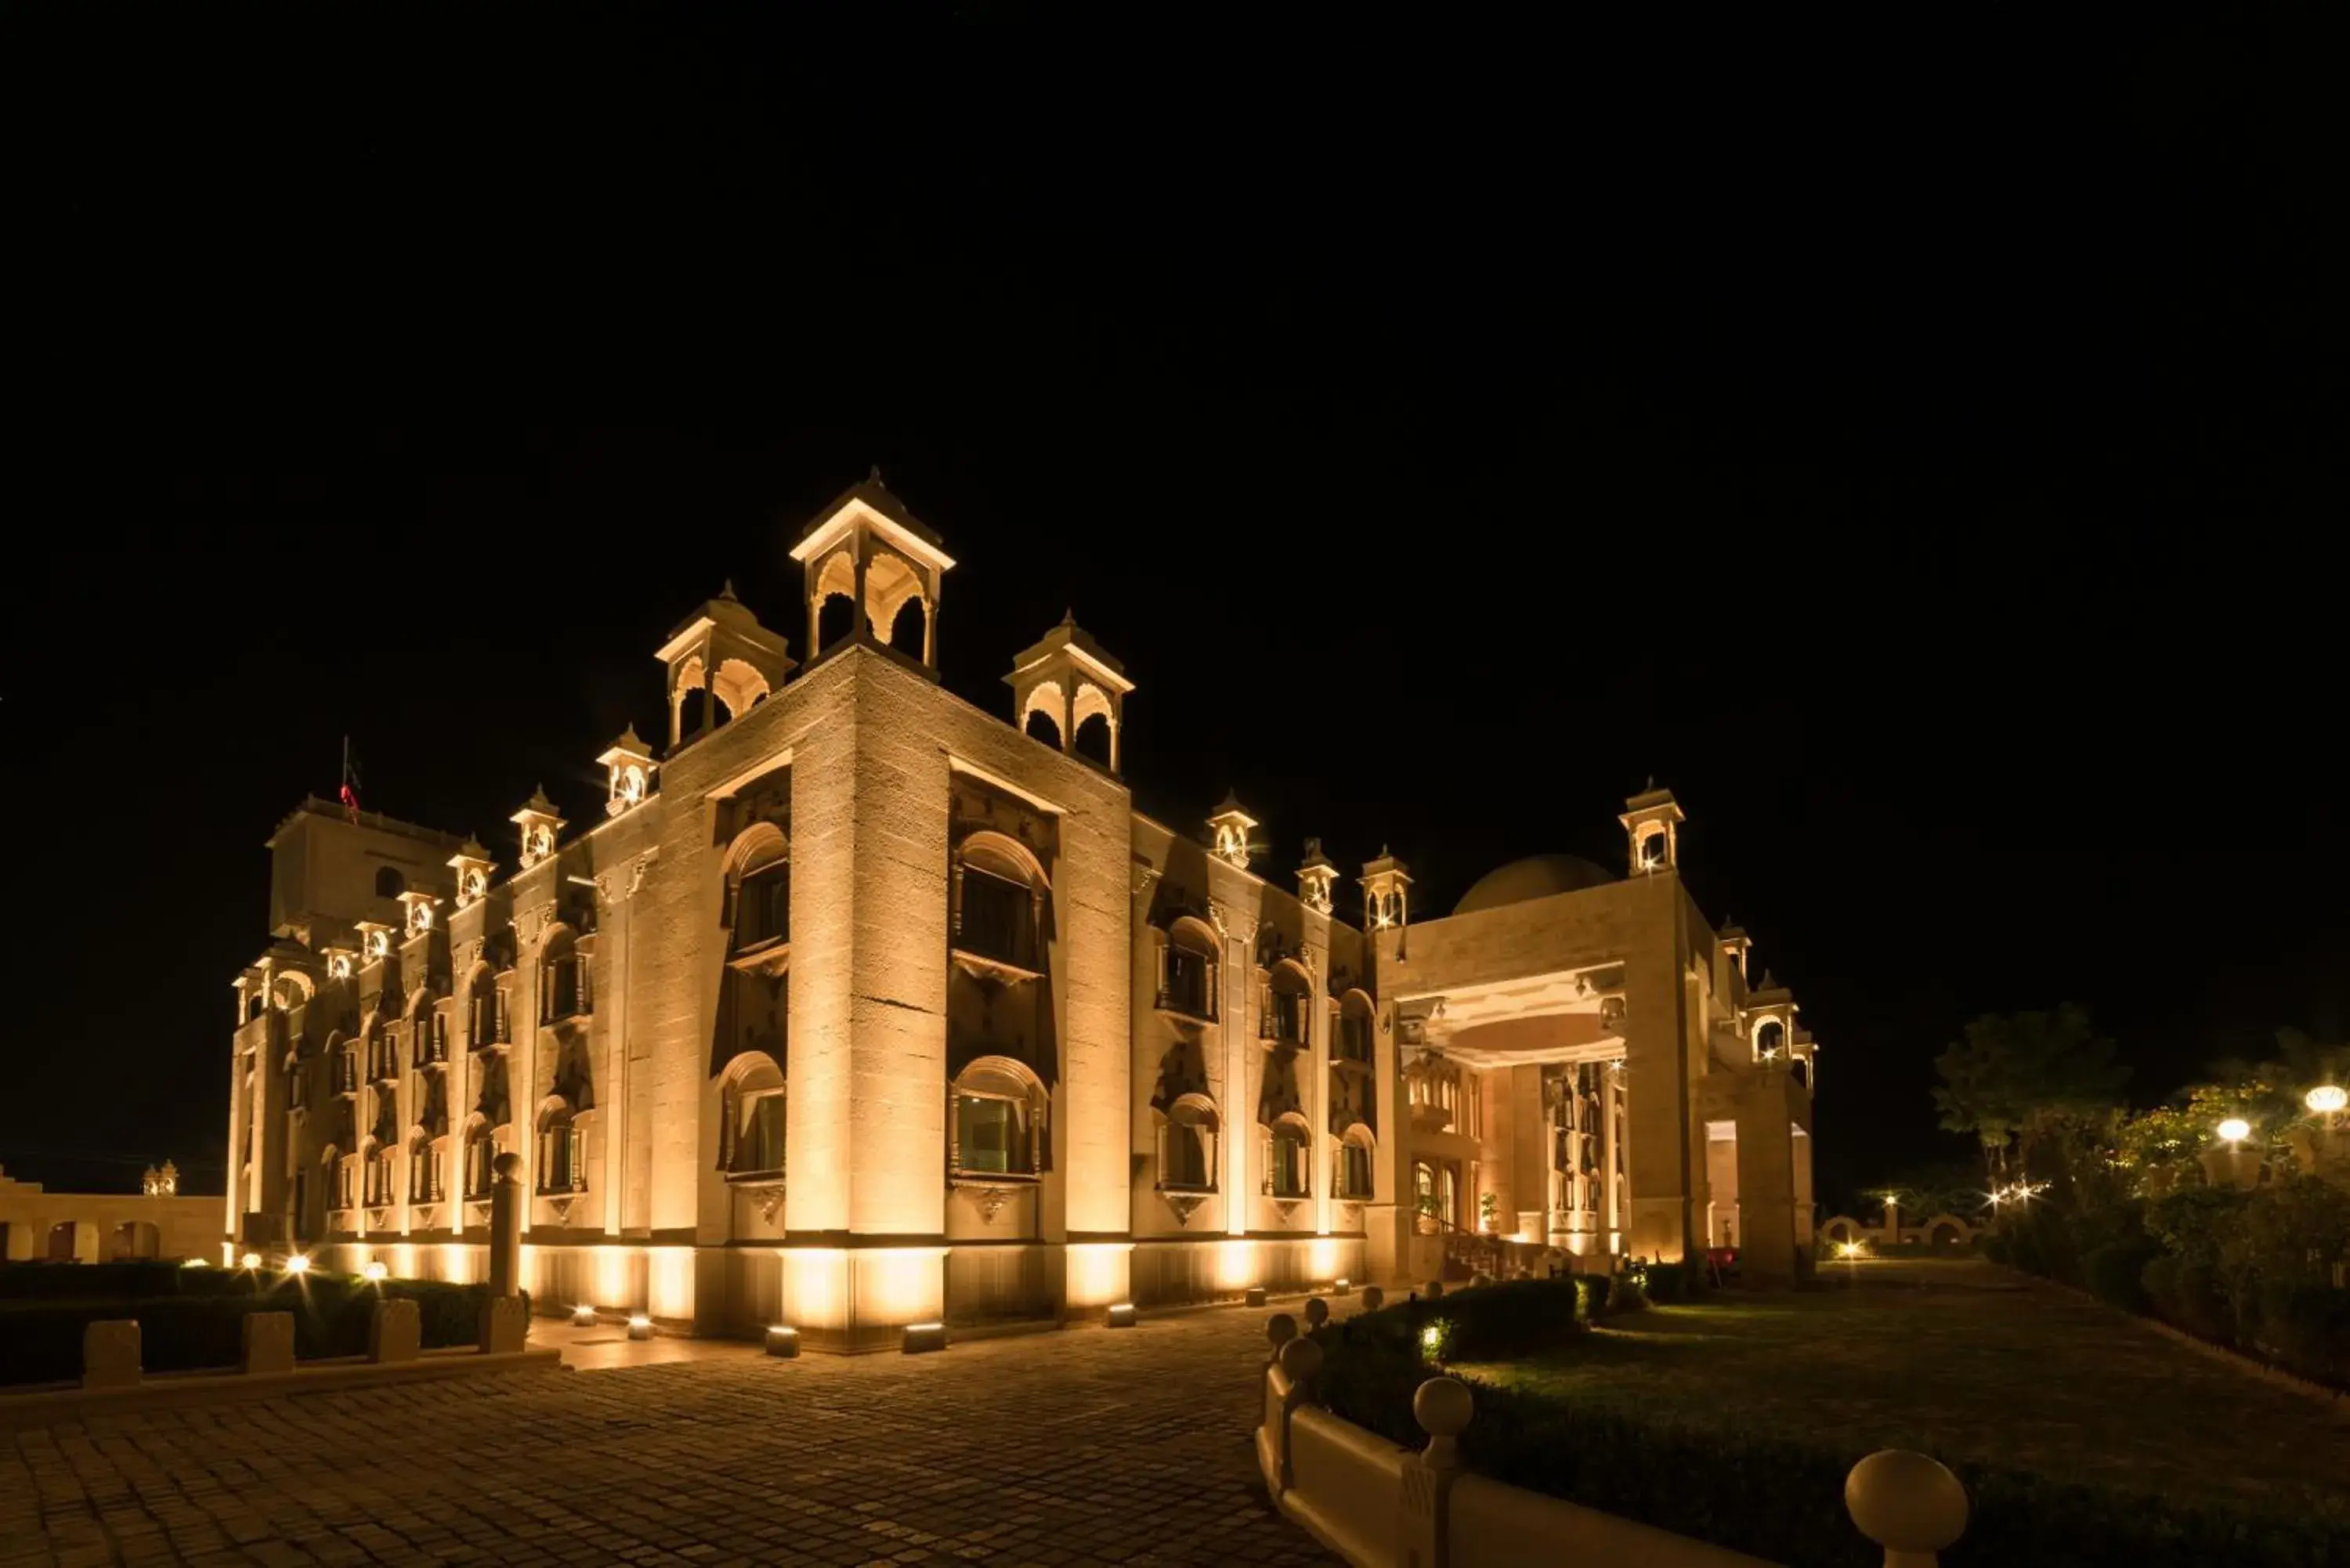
(1379, 1458)
(1381, 1505)
(195, 1319)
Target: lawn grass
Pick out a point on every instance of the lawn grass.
(1964, 1360)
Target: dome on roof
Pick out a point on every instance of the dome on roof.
(1535, 876)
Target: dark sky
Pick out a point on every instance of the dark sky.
(1919, 441)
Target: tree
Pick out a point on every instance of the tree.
(2027, 1084)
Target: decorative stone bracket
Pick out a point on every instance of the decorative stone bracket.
(1185, 1204)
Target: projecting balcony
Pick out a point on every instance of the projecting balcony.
(1194, 1006)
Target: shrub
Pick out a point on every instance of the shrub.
(1595, 1289)
(1495, 1323)
(2305, 1328)
(2114, 1272)
(1666, 1282)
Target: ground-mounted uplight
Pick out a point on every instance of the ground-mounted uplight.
(1342, 1287)
(1121, 1314)
(2327, 1100)
(1848, 1248)
(195, 1264)
(1433, 1339)
(640, 1326)
(297, 1263)
(1252, 1296)
(2235, 1130)
(924, 1337)
(583, 1316)
(783, 1340)
(375, 1273)
(250, 1261)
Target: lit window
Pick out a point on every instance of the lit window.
(1287, 1171)
(998, 1119)
(1187, 1150)
(759, 1135)
(763, 906)
(561, 1168)
(1354, 1164)
(481, 1156)
(998, 918)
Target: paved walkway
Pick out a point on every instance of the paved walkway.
(1088, 1447)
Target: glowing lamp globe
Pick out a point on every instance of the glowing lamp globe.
(2327, 1098)
(251, 1261)
(297, 1264)
(2235, 1130)
(375, 1273)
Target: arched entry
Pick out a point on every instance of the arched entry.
(136, 1239)
(61, 1242)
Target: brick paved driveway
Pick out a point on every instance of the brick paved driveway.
(1088, 1447)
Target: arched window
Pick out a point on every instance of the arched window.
(761, 890)
(999, 1119)
(253, 1006)
(1094, 735)
(751, 1133)
(1187, 1145)
(425, 1182)
(908, 630)
(561, 1165)
(999, 897)
(1187, 981)
(835, 616)
(1354, 1042)
(1042, 726)
(563, 990)
(1769, 1039)
(1289, 999)
(380, 1175)
(894, 605)
(1423, 1192)
(389, 882)
(335, 1177)
(1353, 1173)
(1289, 1152)
(485, 1011)
(481, 1156)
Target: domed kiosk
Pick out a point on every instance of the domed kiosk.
(1535, 876)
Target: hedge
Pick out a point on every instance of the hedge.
(1779, 1498)
(201, 1324)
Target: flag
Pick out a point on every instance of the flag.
(351, 790)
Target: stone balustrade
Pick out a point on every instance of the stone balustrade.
(1379, 1506)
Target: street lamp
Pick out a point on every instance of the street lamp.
(2235, 1130)
(2327, 1100)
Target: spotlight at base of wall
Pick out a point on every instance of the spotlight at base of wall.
(640, 1327)
(922, 1336)
(1342, 1287)
(1122, 1316)
(583, 1316)
(783, 1340)
(1252, 1296)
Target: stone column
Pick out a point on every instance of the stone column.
(1326, 1148)
(505, 1226)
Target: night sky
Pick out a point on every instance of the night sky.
(1917, 442)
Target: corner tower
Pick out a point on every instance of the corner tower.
(869, 561)
(1065, 678)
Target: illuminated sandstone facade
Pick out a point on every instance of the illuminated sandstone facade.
(857, 1006)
